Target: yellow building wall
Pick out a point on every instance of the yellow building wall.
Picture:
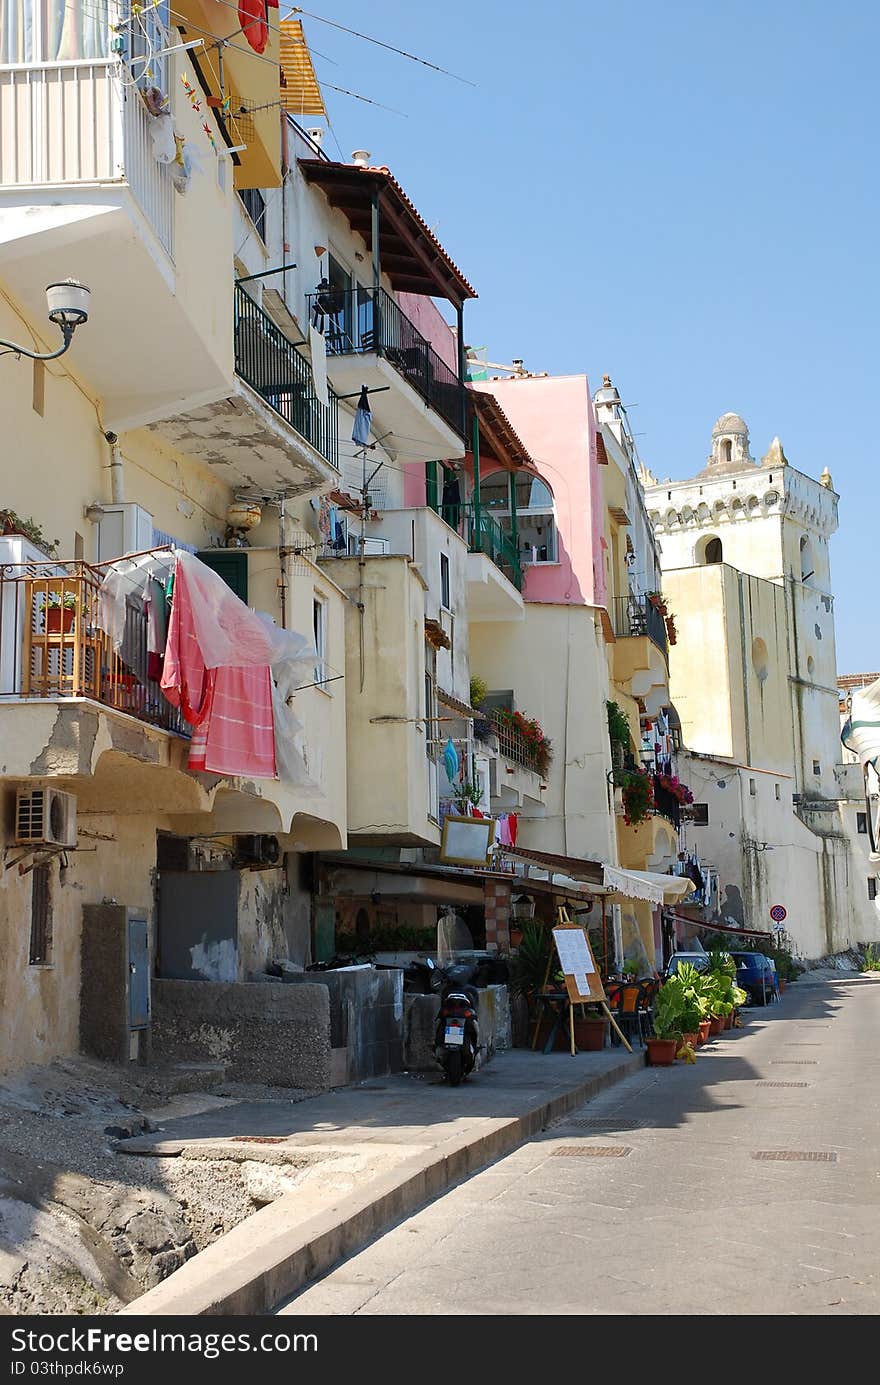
(554, 659)
(388, 768)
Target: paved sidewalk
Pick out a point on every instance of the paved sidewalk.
(374, 1153)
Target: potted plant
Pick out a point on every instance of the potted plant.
(12, 523)
(663, 1044)
(60, 612)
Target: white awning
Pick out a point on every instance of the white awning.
(648, 885)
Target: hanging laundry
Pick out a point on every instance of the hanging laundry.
(217, 671)
(157, 628)
(504, 830)
(450, 761)
(363, 420)
(512, 826)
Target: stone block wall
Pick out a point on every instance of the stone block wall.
(263, 1032)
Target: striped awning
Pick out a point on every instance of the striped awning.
(300, 93)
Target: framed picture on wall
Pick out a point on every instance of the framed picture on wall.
(467, 841)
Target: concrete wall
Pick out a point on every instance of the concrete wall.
(366, 1021)
(424, 536)
(554, 659)
(420, 1023)
(266, 1032)
(388, 766)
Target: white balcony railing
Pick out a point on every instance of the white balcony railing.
(76, 123)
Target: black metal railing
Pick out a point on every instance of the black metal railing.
(666, 804)
(637, 615)
(361, 320)
(281, 375)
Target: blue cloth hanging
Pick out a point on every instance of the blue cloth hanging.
(450, 760)
(363, 420)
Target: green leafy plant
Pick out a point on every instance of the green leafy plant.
(467, 795)
(68, 600)
(618, 725)
(479, 690)
(529, 966)
(12, 523)
(872, 959)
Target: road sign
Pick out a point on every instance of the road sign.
(778, 913)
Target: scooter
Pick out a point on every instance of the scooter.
(457, 1036)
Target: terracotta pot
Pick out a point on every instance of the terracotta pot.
(716, 1025)
(703, 1033)
(516, 936)
(781, 984)
(590, 1034)
(661, 1052)
(728, 1021)
(692, 1039)
(561, 1041)
(59, 619)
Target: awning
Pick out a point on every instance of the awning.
(648, 885)
(573, 867)
(721, 927)
(410, 253)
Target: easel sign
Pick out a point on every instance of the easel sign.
(582, 980)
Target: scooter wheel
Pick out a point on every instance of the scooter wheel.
(454, 1070)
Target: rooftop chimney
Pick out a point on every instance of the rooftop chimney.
(361, 157)
(316, 135)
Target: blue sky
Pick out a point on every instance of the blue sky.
(682, 194)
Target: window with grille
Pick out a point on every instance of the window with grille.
(41, 917)
(861, 822)
(255, 206)
(872, 887)
(700, 815)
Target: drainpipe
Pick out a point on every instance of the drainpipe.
(117, 473)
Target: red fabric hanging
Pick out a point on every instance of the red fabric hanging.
(254, 23)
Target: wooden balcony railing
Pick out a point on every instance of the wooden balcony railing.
(52, 644)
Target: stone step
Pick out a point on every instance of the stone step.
(172, 1079)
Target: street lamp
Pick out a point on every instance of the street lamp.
(68, 304)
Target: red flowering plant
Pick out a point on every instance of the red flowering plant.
(533, 746)
(671, 632)
(637, 786)
(673, 785)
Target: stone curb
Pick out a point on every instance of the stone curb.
(273, 1253)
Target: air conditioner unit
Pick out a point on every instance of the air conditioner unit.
(257, 849)
(45, 817)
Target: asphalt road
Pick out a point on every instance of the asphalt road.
(650, 1199)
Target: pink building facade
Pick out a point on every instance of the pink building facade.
(553, 416)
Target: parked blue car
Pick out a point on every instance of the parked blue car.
(756, 974)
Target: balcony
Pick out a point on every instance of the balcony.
(52, 645)
(371, 342)
(270, 433)
(83, 194)
(635, 616)
(641, 657)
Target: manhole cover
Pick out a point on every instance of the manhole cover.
(259, 1139)
(782, 1084)
(593, 1152)
(603, 1123)
(794, 1062)
(802, 1156)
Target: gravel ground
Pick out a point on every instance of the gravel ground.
(84, 1229)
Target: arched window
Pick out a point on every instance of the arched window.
(535, 513)
(710, 551)
(726, 451)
